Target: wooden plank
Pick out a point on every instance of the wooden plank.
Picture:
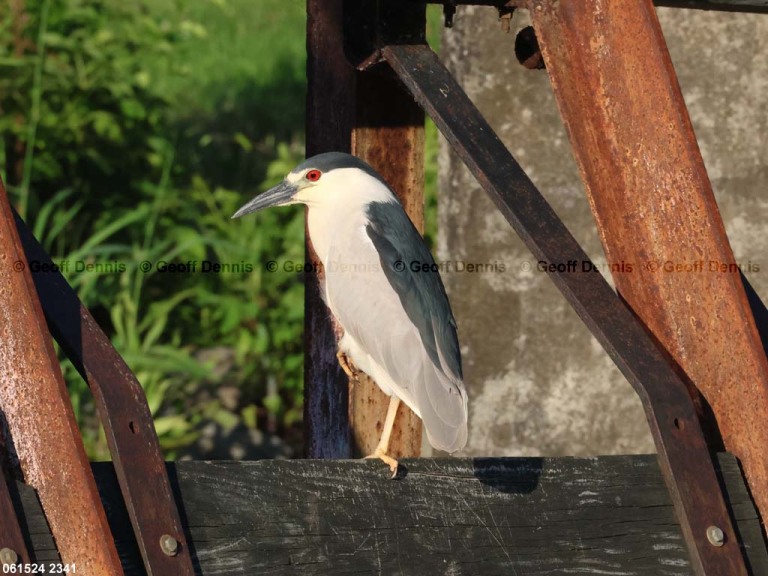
(655, 211)
(522, 516)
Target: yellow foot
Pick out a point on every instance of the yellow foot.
(381, 455)
(349, 370)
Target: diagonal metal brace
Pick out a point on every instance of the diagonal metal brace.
(124, 413)
(683, 455)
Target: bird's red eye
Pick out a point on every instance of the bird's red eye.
(313, 175)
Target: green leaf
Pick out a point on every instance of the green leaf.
(171, 425)
(273, 403)
(133, 109)
(243, 141)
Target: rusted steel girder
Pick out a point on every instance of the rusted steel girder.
(683, 453)
(649, 191)
(124, 413)
(39, 417)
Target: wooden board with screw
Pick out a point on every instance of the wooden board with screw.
(522, 516)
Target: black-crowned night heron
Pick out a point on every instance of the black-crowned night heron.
(383, 287)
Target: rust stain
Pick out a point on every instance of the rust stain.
(648, 189)
(39, 417)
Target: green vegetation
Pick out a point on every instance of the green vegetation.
(131, 131)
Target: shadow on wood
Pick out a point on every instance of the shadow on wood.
(522, 516)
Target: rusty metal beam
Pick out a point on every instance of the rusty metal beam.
(388, 134)
(682, 451)
(330, 115)
(39, 417)
(123, 411)
(649, 191)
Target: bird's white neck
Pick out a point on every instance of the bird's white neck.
(338, 213)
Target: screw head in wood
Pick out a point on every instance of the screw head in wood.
(715, 536)
(169, 545)
(8, 557)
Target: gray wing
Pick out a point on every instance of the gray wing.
(410, 269)
(403, 320)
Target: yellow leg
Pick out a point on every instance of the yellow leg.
(349, 370)
(383, 446)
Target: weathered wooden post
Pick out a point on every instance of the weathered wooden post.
(389, 135)
(330, 115)
(371, 115)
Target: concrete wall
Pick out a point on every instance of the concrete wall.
(539, 383)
